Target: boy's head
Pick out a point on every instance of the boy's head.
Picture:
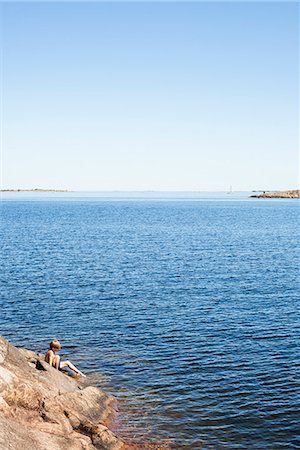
(55, 345)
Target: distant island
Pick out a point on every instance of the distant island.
(293, 193)
(34, 190)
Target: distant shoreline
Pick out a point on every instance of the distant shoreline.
(293, 193)
(34, 190)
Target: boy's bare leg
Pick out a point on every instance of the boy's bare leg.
(55, 362)
(72, 367)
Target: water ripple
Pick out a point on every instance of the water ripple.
(186, 311)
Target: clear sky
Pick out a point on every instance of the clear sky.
(150, 96)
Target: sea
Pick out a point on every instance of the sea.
(184, 306)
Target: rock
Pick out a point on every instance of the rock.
(41, 365)
(103, 439)
(3, 350)
(42, 408)
(280, 194)
(90, 403)
(6, 377)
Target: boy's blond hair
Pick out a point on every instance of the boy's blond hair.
(55, 344)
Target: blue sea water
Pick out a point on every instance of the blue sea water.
(186, 309)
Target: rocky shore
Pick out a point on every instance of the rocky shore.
(293, 193)
(44, 409)
(34, 190)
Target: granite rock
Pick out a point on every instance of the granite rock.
(42, 408)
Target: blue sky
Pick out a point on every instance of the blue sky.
(150, 96)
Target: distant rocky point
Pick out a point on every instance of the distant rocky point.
(293, 193)
(34, 190)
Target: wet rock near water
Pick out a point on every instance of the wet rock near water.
(41, 408)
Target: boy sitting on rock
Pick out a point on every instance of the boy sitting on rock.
(55, 361)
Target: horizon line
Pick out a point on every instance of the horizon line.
(41, 190)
